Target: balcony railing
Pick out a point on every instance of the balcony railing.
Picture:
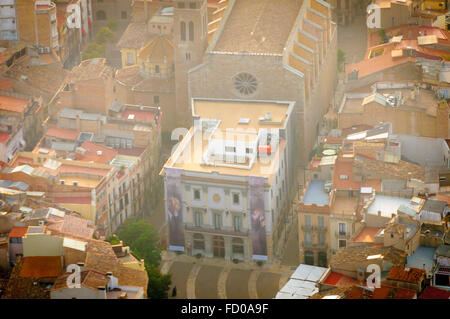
(314, 228)
(315, 245)
(223, 230)
(343, 235)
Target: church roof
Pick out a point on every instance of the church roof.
(159, 50)
(261, 26)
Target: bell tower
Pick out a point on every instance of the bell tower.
(190, 41)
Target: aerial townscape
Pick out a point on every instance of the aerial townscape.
(224, 149)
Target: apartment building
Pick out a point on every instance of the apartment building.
(226, 181)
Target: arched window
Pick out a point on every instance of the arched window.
(199, 241)
(191, 31)
(183, 31)
(101, 15)
(238, 246)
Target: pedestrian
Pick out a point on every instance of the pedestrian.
(174, 291)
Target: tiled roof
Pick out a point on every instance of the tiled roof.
(144, 116)
(41, 267)
(258, 26)
(62, 133)
(339, 280)
(89, 279)
(18, 232)
(135, 36)
(72, 225)
(360, 254)
(90, 69)
(131, 76)
(23, 288)
(384, 292)
(12, 104)
(367, 235)
(398, 170)
(406, 274)
(159, 50)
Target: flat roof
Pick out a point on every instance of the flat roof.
(226, 114)
(422, 255)
(388, 205)
(315, 194)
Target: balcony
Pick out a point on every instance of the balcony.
(320, 246)
(211, 229)
(314, 228)
(342, 235)
(307, 228)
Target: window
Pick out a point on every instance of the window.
(191, 31)
(236, 199)
(321, 239)
(322, 258)
(245, 84)
(309, 257)
(156, 68)
(308, 238)
(130, 58)
(188, 56)
(237, 223)
(198, 218)
(217, 220)
(100, 15)
(342, 243)
(196, 194)
(15, 240)
(192, 5)
(180, 4)
(230, 149)
(308, 221)
(123, 15)
(199, 241)
(156, 99)
(238, 246)
(342, 229)
(183, 31)
(321, 222)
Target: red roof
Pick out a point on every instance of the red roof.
(41, 267)
(62, 133)
(434, 293)
(92, 149)
(367, 235)
(12, 104)
(400, 273)
(339, 280)
(5, 85)
(18, 232)
(4, 137)
(343, 176)
(144, 116)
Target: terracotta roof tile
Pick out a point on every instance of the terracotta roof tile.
(41, 267)
(62, 133)
(406, 274)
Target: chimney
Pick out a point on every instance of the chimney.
(409, 176)
(379, 213)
